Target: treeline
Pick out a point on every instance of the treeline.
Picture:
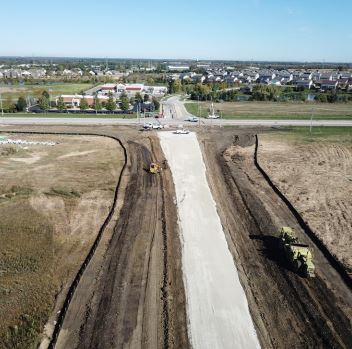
(271, 93)
(44, 103)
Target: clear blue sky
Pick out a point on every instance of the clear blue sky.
(298, 30)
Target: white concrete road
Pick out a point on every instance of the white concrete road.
(217, 307)
(173, 108)
(169, 122)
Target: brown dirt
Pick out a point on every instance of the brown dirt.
(137, 297)
(288, 310)
(317, 179)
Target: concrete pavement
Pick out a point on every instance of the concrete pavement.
(217, 307)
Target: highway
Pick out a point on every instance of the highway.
(174, 114)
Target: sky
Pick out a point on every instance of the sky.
(272, 30)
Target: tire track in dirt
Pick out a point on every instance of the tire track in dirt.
(165, 281)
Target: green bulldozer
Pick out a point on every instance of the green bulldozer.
(299, 255)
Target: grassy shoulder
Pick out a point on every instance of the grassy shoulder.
(317, 134)
(71, 115)
(272, 111)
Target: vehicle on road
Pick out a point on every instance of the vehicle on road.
(300, 256)
(150, 125)
(181, 131)
(192, 119)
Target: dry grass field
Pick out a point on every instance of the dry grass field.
(53, 200)
(315, 172)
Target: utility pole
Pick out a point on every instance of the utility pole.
(311, 123)
(2, 110)
(198, 113)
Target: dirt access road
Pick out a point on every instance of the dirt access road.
(288, 311)
(136, 299)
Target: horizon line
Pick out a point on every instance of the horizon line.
(174, 59)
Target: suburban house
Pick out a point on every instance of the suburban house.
(198, 78)
(328, 85)
(316, 76)
(304, 83)
(264, 79)
(276, 82)
(326, 76)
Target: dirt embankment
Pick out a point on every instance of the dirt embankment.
(317, 178)
(137, 299)
(288, 310)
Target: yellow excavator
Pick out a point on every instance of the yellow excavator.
(300, 256)
(155, 168)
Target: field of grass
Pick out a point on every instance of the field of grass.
(35, 90)
(318, 134)
(52, 203)
(71, 115)
(275, 110)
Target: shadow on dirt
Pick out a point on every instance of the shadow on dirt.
(271, 249)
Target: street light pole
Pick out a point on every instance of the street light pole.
(311, 123)
(2, 110)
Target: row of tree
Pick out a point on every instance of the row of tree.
(110, 104)
(204, 92)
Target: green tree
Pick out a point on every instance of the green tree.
(83, 105)
(45, 93)
(9, 106)
(175, 86)
(124, 103)
(97, 104)
(322, 98)
(21, 104)
(156, 103)
(43, 102)
(146, 98)
(111, 103)
(61, 103)
(138, 98)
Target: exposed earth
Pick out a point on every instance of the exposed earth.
(317, 178)
(132, 293)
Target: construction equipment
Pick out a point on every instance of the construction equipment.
(299, 255)
(155, 168)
